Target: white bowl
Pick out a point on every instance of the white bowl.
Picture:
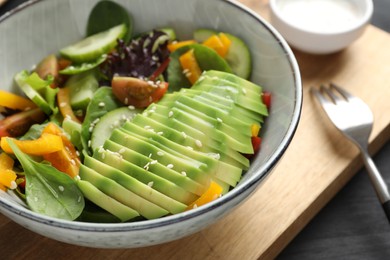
(39, 28)
(320, 26)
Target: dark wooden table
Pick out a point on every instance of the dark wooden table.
(352, 225)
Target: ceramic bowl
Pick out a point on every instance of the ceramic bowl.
(39, 28)
(321, 26)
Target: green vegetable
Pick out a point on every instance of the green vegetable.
(92, 47)
(207, 59)
(38, 90)
(107, 14)
(78, 68)
(102, 102)
(49, 191)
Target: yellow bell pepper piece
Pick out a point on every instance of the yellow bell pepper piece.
(220, 43)
(65, 160)
(176, 45)
(46, 143)
(255, 129)
(10, 100)
(212, 193)
(7, 175)
(190, 66)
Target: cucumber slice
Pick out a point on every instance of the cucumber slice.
(92, 47)
(170, 32)
(238, 56)
(82, 88)
(107, 123)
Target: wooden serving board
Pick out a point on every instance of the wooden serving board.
(318, 163)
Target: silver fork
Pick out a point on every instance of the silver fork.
(354, 119)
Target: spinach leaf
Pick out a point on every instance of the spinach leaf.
(107, 14)
(49, 191)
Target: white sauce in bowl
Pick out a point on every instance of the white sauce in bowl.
(321, 16)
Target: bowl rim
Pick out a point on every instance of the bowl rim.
(187, 215)
(363, 20)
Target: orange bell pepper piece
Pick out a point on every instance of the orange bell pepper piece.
(220, 43)
(213, 192)
(7, 175)
(65, 160)
(13, 101)
(190, 66)
(46, 143)
(63, 99)
(176, 45)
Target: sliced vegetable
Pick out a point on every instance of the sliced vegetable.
(65, 160)
(107, 14)
(207, 59)
(13, 101)
(238, 56)
(18, 124)
(255, 129)
(82, 88)
(7, 175)
(102, 102)
(38, 90)
(92, 47)
(176, 45)
(78, 68)
(137, 92)
(48, 67)
(47, 143)
(190, 66)
(212, 193)
(266, 98)
(49, 191)
(63, 99)
(218, 42)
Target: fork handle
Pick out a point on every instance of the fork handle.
(378, 182)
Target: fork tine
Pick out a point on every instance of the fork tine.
(343, 92)
(335, 98)
(319, 96)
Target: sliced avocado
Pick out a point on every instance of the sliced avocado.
(135, 186)
(226, 154)
(244, 146)
(116, 208)
(191, 168)
(141, 173)
(225, 172)
(120, 193)
(159, 169)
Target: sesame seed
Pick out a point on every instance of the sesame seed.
(219, 120)
(131, 107)
(195, 206)
(185, 71)
(170, 114)
(68, 117)
(184, 134)
(198, 143)
(63, 104)
(61, 188)
(170, 166)
(150, 155)
(160, 133)
(126, 101)
(122, 150)
(244, 91)
(153, 162)
(78, 177)
(102, 104)
(190, 148)
(183, 173)
(89, 143)
(13, 185)
(73, 162)
(159, 153)
(150, 184)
